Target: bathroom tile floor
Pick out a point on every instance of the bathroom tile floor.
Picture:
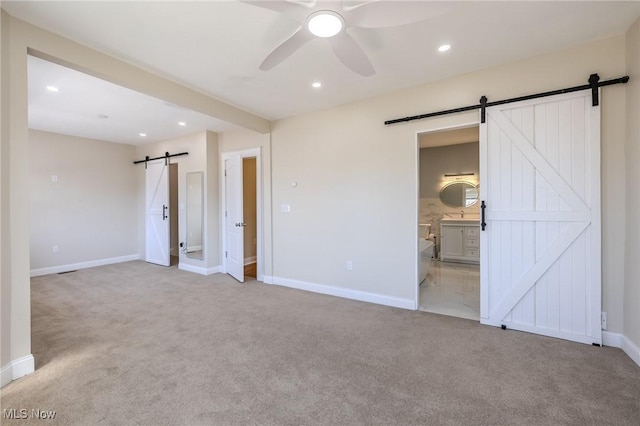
(452, 289)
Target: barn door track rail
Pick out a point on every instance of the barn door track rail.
(594, 84)
(166, 157)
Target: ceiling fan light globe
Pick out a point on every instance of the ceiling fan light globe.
(325, 23)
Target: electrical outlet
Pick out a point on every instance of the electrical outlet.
(603, 320)
(349, 265)
(56, 249)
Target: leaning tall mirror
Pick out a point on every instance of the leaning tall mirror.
(195, 215)
(459, 194)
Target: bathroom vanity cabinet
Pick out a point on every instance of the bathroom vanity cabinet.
(460, 241)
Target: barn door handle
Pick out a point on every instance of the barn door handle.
(164, 212)
(483, 206)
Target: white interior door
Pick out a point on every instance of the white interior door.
(234, 223)
(540, 252)
(157, 223)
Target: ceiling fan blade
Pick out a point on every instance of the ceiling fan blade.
(381, 14)
(286, 49)
(351, 54)
(297, 11)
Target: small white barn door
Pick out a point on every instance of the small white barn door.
(540, 252)
(157, 223)
(234, 222)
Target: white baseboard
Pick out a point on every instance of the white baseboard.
(83, 265)
(343, 292)
(619, 340)
(199, 269)
(6, 375)
(17, 368)
(248, 260)
(631, 349)
(612, 339)
(267, 279)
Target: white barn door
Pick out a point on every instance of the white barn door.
(540, 252)
(157, 224)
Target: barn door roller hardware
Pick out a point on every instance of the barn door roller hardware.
(594, 84)
(166, 157)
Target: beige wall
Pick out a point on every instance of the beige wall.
(632, 155)
(435, 162)
(5, 223)
(15, 195)
(90, 212)
(356, 197)
(249, 206)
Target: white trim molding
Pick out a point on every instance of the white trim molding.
(267, 279)
(612, 339)
(631, 349)
(346, 293)
(618, 340)
(17, 368)
(83, 265)
(199, 269)
(6, 375)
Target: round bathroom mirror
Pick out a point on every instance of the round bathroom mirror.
(459, 194)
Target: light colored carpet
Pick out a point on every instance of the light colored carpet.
(135, 343)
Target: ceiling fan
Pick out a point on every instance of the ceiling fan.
(331, 21)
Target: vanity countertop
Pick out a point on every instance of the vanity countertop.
(458, 219)
(470, 221)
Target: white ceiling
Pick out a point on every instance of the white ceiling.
(89, 107)
(216, 47)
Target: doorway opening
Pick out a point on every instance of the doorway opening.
(250, 216)
(449, 222)
(242, 213)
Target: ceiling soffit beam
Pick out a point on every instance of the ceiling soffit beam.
(62, 51)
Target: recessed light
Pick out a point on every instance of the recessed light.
(53, 89)
(181, 123)
(316, 84)
(103, 116)
(325, 23)
(142, 134)
(444, 48)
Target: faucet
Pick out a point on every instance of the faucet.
(461, 214)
